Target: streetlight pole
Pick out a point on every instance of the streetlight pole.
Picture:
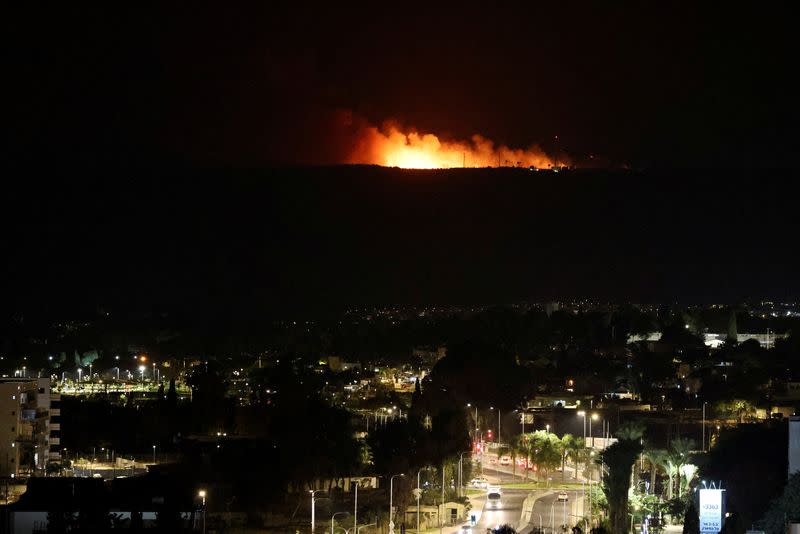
(460, 472)
(355, 507)
(334, 516)
(419, 494)
(391, 495)
(313, 501)
(154, 454)
(202, 494)
(477, 430)
(704, 427)
(583, 414)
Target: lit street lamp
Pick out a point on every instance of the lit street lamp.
(202, 495)
(313, 501)
(391, 494)
(154, 454)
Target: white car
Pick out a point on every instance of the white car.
(563, 496)
(505, 460)
(479, 482)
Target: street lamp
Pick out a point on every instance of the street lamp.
(334, 515)
(592, 418)
(355, 507)
(154, 454)
(313, 500)
(477, 431)
(418, 495)
(79, 373)
(582, 413)
(460, 472)
(704, 426)
(202, 495)
(142, 369)
(391, 488)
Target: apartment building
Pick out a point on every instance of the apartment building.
(29, 426)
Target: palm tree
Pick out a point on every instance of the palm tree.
(563, 449)
(619, 459)
(525, 445)
(679, 457)
(575, 449)
(658, 459)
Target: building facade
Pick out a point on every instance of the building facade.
(29, 426)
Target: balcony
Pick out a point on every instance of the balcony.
(55, 427)
(55, 397)
(54, 455)
(55, 441)
(55, 412)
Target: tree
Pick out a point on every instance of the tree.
(679, 457)
(619, 459)
(563, 449)
(658, 459)
(784, 508)
(172, 394)
(59, 520)
(691, 521)
(137, 522)
(745, 454)
(575, 449)
(545, 450)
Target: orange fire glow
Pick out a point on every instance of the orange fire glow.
(392, 147)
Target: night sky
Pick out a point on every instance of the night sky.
(165, 159)
(639, 83)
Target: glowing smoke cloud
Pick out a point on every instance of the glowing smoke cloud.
(391, 147)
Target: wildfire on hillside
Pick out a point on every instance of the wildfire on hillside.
(393, 146)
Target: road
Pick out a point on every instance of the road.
(507, 512)
(551, 514)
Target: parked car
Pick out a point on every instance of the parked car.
(563, 496)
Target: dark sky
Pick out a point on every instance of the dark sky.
(142, 149)
(298, 241)
(646, 83)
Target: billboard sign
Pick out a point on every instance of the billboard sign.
(710, 511)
